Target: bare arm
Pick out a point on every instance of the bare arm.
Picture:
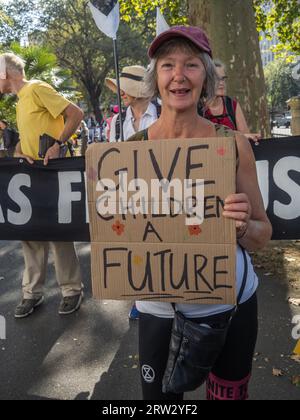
(241, 122)
(73, 116)
(246, 207)
(19, 154)
(18, 149)
(242, 125)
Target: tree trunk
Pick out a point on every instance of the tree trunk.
(95, 103)
(231, 27)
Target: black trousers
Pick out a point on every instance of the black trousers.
(234, 363)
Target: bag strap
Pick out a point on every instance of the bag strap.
(230, 109)
(145, 134)
(157, 106)
(200, 109)
(120, 120)
(245, 276)
(243, 286)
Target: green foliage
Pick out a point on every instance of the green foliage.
(139, 12)
(8, 109)
(272, 16)
(67, 27)
(4, 18)
(281, 17)
(83, 49)
(280, 84)
(18, 19)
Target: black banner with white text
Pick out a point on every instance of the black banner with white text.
(278, 168)
(49, 203)
(41, 203)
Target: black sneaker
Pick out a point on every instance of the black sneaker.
(70, 304)
(27, 306)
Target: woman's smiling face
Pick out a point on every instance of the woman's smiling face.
(180, 78)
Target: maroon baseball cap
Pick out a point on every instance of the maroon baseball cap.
(196, 35)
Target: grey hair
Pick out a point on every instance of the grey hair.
(218, 63)
(15, 65)
(209, 87)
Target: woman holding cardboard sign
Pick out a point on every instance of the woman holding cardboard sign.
(207, 342)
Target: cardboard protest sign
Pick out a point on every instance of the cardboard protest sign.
(156, 221)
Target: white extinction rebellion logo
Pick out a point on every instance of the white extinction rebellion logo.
(148, 374)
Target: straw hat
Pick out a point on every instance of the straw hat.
(131, 81)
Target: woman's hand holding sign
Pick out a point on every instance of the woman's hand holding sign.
(238, 208)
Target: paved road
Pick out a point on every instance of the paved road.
(92, 354)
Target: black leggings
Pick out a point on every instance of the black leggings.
(231, 373)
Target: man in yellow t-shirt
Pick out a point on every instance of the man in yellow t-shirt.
(41, 110)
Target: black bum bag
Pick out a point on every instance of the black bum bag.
(195, 348)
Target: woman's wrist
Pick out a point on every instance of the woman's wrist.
(242, 234)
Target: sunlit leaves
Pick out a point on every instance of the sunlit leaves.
(280, 84)
(280, 17)
(142, 12)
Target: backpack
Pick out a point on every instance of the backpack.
(11, 138)
(123, 117)
(229, 107)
